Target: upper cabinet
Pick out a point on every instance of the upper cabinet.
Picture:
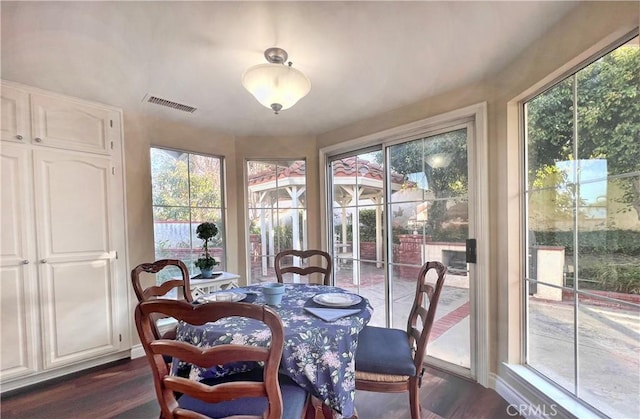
(34, 117)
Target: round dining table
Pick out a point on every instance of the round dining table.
(318, 354)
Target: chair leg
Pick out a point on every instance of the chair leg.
(318, 408)
(414, 399)
(322, 411)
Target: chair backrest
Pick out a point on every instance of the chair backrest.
(324, 269)
(155, 291)
(167, 385)
(419, 336)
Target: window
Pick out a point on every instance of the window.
(277, 213)
(582, 220)
(187, 189)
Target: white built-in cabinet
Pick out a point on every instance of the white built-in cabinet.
(63, 280)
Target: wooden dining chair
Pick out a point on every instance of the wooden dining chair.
(260, 393)
(182, 285)
(285, 269)
(391, 360)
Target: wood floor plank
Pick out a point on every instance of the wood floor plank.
(124, 390)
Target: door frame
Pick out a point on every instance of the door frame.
(478, 168)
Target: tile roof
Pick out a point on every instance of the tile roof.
(347, 167)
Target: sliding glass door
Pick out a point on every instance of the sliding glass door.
(396, 206)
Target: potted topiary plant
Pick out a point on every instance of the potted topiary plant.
(206, 231)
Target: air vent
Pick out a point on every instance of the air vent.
(171, 104)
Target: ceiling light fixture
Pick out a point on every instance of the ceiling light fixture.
(276, 85)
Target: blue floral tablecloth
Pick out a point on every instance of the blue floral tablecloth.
(318, 355)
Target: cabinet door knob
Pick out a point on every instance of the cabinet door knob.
(43, 261)
(38, 139)
(25, 262)
(19, 137)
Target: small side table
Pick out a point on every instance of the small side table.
(220, 281)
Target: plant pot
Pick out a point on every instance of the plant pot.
(206, 273)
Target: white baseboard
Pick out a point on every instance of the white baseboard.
(511, 395)
(43, 376)
(137, 351)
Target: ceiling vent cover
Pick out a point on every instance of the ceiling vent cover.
(171, 104)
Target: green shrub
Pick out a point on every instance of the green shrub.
(613, 277)
(455, 233)
(367, 225)
(622, 242)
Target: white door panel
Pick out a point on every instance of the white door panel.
(78, 319)
(72, 225)
(17, 281)
(14, 187)
(18, 327)
(76, 274)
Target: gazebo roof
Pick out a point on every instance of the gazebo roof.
(347, 172)
(283, 175)
(352, 167)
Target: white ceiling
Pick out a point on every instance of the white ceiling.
(363, 58)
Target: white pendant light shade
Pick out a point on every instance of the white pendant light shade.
(275, 85)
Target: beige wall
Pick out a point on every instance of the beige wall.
(590, 27)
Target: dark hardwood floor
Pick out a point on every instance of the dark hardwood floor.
(125, 390)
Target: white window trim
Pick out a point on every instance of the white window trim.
(478, 113)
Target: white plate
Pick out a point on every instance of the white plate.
(337, 299)
(230, 296)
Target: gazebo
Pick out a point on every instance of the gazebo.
(278, 191)
(356, 182)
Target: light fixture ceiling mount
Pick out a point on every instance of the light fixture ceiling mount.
(276, 85)
(276, 55)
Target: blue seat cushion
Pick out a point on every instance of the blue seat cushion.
(384, 351)
(294, 399)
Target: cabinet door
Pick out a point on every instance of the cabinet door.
(15, 115)
(18, 305)
(77, 274)
(70, 124)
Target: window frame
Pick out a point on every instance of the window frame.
(566, 399)
(223, 205)
(304, 244)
